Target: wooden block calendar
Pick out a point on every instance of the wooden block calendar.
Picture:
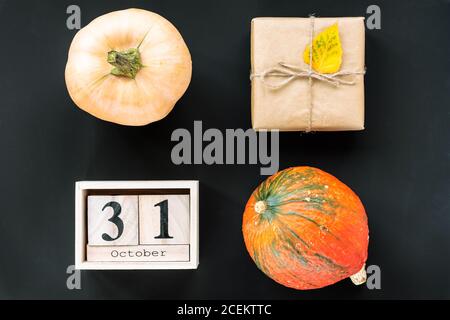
(136, 225)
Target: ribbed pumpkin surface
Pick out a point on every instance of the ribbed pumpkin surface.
(305, 229)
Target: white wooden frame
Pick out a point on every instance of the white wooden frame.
(82, 189)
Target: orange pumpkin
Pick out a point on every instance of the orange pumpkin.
(305, 229)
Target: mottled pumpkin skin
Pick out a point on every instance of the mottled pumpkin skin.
(313, 232)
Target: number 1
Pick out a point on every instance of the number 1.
(164, 220)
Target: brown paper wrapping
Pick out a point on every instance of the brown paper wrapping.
(341, 108)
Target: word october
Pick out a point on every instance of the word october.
(236, 143)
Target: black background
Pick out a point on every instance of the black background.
(399, 165)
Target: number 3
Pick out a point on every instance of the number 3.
(114, 219)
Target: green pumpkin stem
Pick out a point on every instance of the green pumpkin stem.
(126, 63)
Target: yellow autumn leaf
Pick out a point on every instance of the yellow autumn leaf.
(327, 51)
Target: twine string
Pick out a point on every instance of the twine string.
(290, 72)
(310, 73)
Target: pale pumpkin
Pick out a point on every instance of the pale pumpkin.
(128, 67)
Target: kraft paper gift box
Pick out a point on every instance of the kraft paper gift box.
(287, 98)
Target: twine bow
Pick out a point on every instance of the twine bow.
(291, 72)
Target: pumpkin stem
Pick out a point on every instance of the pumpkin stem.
(360, 277)
(127, 63)
(260, 207)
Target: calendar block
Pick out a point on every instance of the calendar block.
(112, 220)
(164, 219)
(136, 225)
